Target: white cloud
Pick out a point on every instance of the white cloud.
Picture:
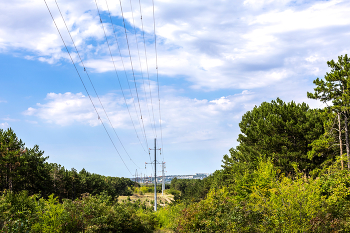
(34, 32)
(65, 109)
(259, 46)
(9, 119)
(4, 125)
(183, 119)
(212, 44)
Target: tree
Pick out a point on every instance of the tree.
(335, 88)
(280, 131)
(34, 172)
(21, 167)
(11, 149)
(327, 144)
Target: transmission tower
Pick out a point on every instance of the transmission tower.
(163, 177)
(136, 176)
(155, 171)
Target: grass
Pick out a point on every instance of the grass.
(162, 200)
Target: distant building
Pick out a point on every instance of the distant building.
(203, 174)
(167, 179)
(184, 177)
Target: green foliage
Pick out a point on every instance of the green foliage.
(100, 213)
(335, 86)
(273, 203)
(26, 169)
(21, 167)
(50, 216)
(144, 189)
(327, 144)
(168, 216)
(190, 190)
(301, 203)
(176, 194)
(17, 211)
(280, 131)
(217, 213)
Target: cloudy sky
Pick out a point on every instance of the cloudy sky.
(216, 60)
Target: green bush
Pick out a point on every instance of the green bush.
(18, 211)
(100, 213)
(173, 192)
(263, 201)
(168, 216)
(50, 216)
(218, 213)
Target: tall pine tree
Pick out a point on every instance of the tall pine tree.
(335, 88)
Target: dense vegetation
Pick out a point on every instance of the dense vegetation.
(289, 173)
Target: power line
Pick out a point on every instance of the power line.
(138, 51)
(121, 58)
(155, 48)
(132, 68)
(85, 87)
(115, 36)
(81, 60)
(110, 52)
(149, 82)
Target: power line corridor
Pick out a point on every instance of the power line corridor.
(76, 57)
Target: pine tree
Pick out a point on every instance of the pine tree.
(280, 131)
(11, 149)
(335, 88)
(22, 168)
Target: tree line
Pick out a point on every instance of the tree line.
(23, 168)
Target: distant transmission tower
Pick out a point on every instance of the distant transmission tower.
(136, 176)
(163, 178)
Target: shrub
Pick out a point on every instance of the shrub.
(217, 213)
(50, 216)
(17, 211)
(168, 216)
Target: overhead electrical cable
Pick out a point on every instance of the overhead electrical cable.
(132, 67)
(81, 60)
(155, 48)
(121, 58)
(109, 48)
(85, 87)
(144, 86)
(126, 76)
(149, 82)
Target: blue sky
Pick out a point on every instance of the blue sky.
(216, 59)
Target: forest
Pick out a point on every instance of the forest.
(289, 173)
